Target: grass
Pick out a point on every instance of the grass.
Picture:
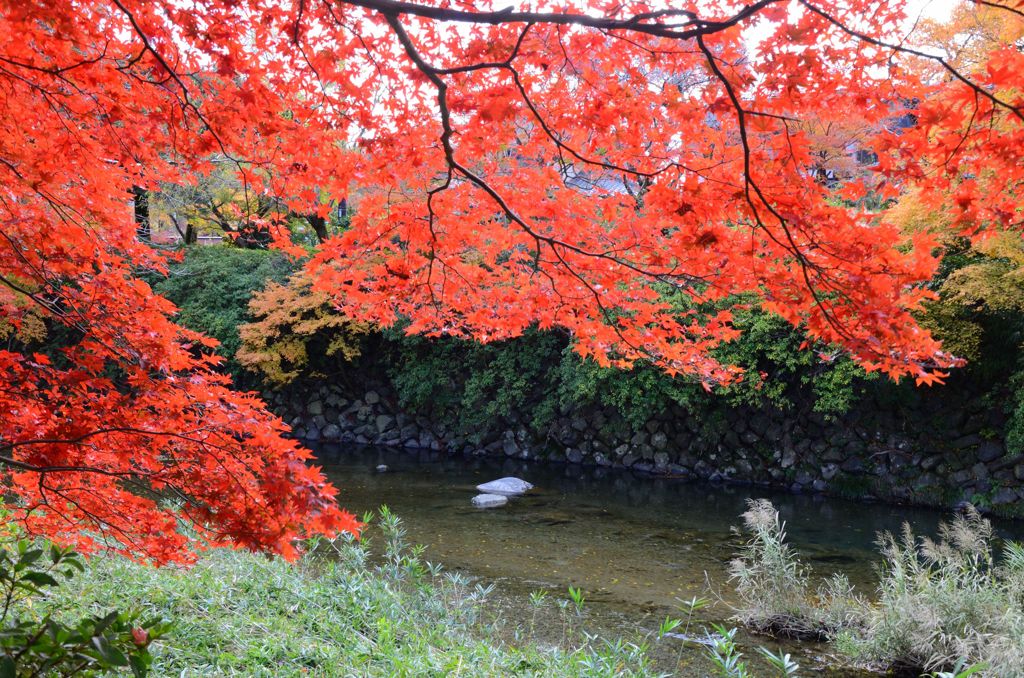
(774, 587)
(940, 602)
(769, 578)
(947, 606)
(338, 613)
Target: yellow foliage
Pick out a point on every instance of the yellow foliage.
(996, 282)
(292, 320)
(990, 279)
(992, 283)
(20, 318)
(949, 323)
(973, 30)
(915, 214)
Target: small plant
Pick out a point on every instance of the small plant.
(537, 600)
(668, 626)
(722, 650)
(576, 596)
(31, 645)
(724, 654)
(687, 608)
(783, 663)
(770, 580)
(691, 606)
(960, 670)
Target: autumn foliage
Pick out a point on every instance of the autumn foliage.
(568, 166)
(290, 321)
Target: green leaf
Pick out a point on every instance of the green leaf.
(40, 578)
(105, 622)
(139, 665)
(27, 558)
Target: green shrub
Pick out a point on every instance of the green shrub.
(212, 287)
(637, 394)
(471, 387)
(33, 643)
(782, 369)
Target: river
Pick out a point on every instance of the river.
(634, 544)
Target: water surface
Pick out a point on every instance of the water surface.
(635, 544)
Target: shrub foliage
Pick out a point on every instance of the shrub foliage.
(291, 323)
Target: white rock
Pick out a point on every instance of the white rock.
(489, 500)
(509, 487)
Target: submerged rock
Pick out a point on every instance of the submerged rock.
(489, 500)
(508, 487)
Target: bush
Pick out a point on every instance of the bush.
(943, 601)
(978, 316)
(783, 368)
(32, 574)
(212, 287)
(942, 606)
(769, 579)
(637, 394)
(774, 589)
(472, 387)
(293, 330)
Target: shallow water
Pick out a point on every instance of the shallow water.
(634, 544)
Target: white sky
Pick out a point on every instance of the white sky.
(938, 10)
(931, 9)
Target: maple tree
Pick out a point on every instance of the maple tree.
(553, 166)
(291, 321)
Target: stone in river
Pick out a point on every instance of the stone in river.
(509, 487)
(489, 500)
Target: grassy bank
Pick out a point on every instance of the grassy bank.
(336, 613)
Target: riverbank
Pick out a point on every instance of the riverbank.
(348, 609)
(910, 454)
(579, 577)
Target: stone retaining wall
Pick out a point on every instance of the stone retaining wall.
(930, 454)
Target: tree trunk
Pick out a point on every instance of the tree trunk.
(142, 225)
(319, 225)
